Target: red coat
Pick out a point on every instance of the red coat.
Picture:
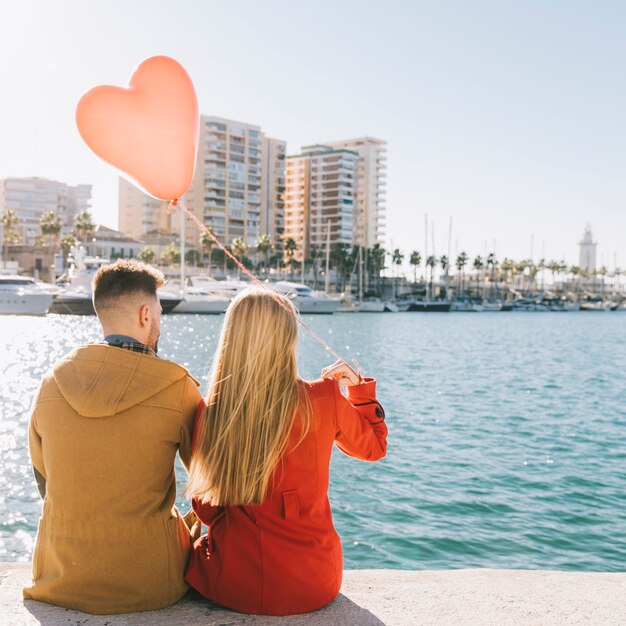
(284, 556)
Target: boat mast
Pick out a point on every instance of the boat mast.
(327, 282)
(449, 260)
(183, 236)
(360, 274)
(426, 255)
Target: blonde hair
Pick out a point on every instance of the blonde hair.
(254, 393)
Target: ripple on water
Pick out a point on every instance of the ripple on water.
(506, 449)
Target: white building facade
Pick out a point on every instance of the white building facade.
(370, 204)
(31, 197)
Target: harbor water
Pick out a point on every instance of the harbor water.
(507, 444)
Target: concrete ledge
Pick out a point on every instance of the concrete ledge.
(380, 597)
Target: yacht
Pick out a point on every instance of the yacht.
(370, 305)
(467, 305)
(365, 305)
(199, 300)
(492, 306)
(224, 288)
(76, 297)
(306, 300)
(597, 304)
(22, 295)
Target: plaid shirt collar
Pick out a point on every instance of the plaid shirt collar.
(128, 343)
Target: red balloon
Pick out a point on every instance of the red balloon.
(147, 130)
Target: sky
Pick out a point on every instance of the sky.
(505, 117)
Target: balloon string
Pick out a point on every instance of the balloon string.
(250, 275)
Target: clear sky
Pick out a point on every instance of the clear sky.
(506, 116)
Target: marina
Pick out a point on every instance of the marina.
(204, 294)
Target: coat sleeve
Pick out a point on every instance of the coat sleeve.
(361, 429)
(190, 407)
(35, 448)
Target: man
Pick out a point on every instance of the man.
(104, 431)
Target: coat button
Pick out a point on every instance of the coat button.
(379, 412)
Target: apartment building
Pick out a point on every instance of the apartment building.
(273, 188)
(139, 213)
(369, 206)
(237, 188)
(30, 197)
(320, 193)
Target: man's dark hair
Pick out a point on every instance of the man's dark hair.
(124, 278)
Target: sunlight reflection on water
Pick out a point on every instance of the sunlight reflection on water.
(507, 434)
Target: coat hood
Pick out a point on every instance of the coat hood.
(99, 380)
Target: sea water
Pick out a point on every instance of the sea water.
(507, 434)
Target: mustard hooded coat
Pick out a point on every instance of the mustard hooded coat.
(105, 428)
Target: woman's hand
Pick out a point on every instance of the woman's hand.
(342, 373)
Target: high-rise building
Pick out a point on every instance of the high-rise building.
(273, 188)
(32, 196)
(320, 191)
(139, 213)
(587, 259)
(369, 208)
(230, 168)
(237, 188)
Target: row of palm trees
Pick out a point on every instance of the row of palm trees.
(463, 273)
(524, 274)
(50, 228)
(279, 254)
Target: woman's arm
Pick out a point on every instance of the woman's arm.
(361, 428)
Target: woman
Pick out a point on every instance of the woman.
(260, 465)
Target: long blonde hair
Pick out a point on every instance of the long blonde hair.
(254, 393)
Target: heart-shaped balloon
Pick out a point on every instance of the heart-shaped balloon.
(147, 130)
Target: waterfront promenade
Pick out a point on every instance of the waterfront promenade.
(380, 597)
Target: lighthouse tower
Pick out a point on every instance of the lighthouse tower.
(587, 250)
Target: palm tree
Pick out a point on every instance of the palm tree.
(192, 257)
(207, 242)
(9, 221)
(171, 254)
(66, 244)
(562, 270)
(431, 262)
(553, 266)
(444, 261)
(415, 260)
(541, 266)
(574, 270)
(315, 256)
(478, 265)
(264, 246)
(492, 264)
(50, 226)
(461, 262)
(290, 250)
(147, 255)
(617, 272)
(377, 259)
(520, 268)
(84, 226)
(240, 247)
(397, 256)
(603, 271)
(339, 260)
